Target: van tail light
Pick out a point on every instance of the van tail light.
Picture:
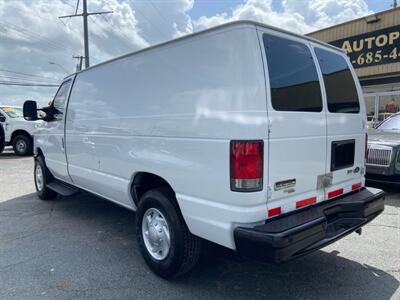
(246, 163)
(366, 147)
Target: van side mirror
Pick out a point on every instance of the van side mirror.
(30, 110)
(2, 118)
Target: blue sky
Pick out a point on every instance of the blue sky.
(212, 7)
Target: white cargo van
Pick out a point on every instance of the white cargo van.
(244, 135)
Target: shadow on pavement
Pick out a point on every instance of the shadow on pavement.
(85, 247)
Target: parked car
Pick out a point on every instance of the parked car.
(383, 163)
(2, 137)
(212, 136)
(17, 131)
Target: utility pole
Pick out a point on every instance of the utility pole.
(85, 15)
(394, 5)
(85, 33)
(79, 65)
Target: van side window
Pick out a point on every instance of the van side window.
(61, 97)
(340, 88)
(293, 75)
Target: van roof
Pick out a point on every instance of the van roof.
(215, 28)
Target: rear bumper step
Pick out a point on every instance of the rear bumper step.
(296, 234)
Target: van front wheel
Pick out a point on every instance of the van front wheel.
(42, 177)
(22, 145)
(165, 242)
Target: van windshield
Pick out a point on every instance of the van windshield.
(13, 112)
(392, 123)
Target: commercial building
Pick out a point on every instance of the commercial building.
(373, 45)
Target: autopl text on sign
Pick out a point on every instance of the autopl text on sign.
(372, 48)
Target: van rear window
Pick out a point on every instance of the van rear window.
(292, 74)
(340, 88)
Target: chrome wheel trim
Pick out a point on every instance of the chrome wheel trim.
(21, 146)
(156, 234)
(39, 177)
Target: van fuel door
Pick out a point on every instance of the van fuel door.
(324, 180)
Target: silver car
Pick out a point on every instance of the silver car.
(383, 162)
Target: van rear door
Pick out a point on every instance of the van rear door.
(345, 123)
(296, 154)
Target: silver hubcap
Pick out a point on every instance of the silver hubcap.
(39, 177)
(21, 146)
(155, 234)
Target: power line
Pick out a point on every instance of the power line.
(85, 15)
(77, 6)
(28, 80)
(35, 36)
(25, 74)
(28, 84)
(159, 12)
(147, 19)
(67, 3)
(120, 32)
(25, 35)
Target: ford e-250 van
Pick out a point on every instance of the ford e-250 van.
(245, 135)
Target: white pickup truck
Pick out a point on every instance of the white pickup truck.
(17, 131)
(244, 135)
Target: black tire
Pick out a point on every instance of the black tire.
(184, 248)
(22, 145)
(44, 193)
(2, 139)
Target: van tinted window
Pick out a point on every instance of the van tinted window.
(292, 74)
(340, 88)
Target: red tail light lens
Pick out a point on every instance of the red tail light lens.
(247, 166)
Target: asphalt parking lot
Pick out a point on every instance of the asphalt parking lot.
(83, 247)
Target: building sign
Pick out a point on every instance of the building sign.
(372, 48)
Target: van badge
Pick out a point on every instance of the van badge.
(285, 184)
(288, 191)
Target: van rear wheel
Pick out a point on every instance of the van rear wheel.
(42, 177)
(165, 242)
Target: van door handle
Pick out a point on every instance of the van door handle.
(62, 143)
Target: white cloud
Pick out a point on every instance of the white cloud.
(31, 36)
(300, 16)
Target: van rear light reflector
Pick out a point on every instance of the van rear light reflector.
(246, 164)
(305, 202)
(356, 186)
(335, 193)
(276, 211)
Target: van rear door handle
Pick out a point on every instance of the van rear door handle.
(62, 143)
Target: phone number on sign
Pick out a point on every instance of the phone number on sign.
(375, 57)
